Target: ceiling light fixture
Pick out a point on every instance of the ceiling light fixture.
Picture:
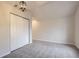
(21, 5)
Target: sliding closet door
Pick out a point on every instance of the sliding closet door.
(19, 32)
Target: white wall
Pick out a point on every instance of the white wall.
(4, 31)
(77, 28)
(55, 22)
(54, 30)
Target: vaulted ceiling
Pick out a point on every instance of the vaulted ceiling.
(51, 9)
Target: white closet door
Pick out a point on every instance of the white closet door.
(19, 32)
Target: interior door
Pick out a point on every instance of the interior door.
(19, 32)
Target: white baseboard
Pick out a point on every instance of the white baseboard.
(55, 42)
(4, 54)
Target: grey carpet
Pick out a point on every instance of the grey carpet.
(41, 49)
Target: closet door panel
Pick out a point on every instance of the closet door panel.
(19, 32)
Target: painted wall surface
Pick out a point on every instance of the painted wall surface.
(77, 28)
(54, 22)
(4, 31)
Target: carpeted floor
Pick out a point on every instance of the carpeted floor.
(41, 49)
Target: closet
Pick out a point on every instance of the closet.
(19, 31)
